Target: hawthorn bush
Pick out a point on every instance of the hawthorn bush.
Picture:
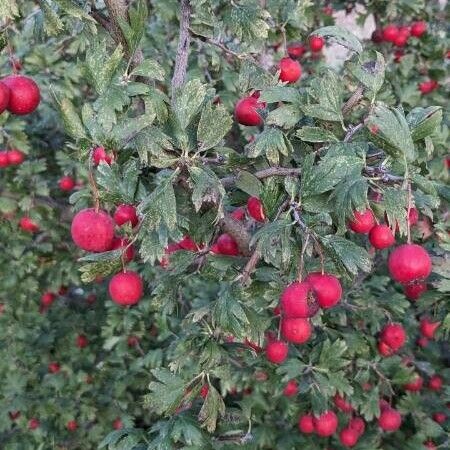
(214, 235)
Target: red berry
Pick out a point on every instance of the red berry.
(117, 424)
(122, 243)
(439, 417)
(390, 420)
(47, 299)
(342, 404)
(414, 290)
(291, 388)
(426, 87)
(357, 424)
(435, 383)
(99, 154)
(255, 209)
(377, 36)
(296, 330)
(4, 160)
(54, 367)
(15, 157)
(4, 96)
(296, 50)
(92, 231)
(316, 43)
(384, 349)
(276, 351)
(422, 342)
(132, 341)
(299, 300)
(328, 10)
(187, 243)
(430, 445)
(401, 40)
(326, 287)
(409, 262)
(226, 245)
(72, 425)
(390, 33)
(245, 111)
(418, 28)
(348, 437)
(238, 214)
(204, 390)
(415, 385)
(290, 70)
(124, 214)
(393, 335)
(66, 183)
(33, 424)
(24, 95)
(306, 424)
(82, 341)
(28, 225)
(428, 328)
(126, 288)
(381, 236)
(362, 222)
(326, 424)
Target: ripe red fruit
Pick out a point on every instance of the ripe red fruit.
(119, 242)
(126, 288)
(126, 213)
(4, 160)
(204, 390)
(4, 96)
(226, 245)
(316, 43)
(362, 222)
(28, 225)
(415, 385)
(296, 50)
(92, 231)
(187, 243)
(348, 437)
(342, 404)
(377, 36)
(418, 28)
(422, 342)
(99, 154)
(393, 335)
(54, 367)
(24, 95)
(290, 70)
(409, 262)
(428, 328)
(426, 87)
(238, 214)
(384, 349)
(306, 424)
(435, 383)
(291, 388)
(401, 40)
(299, 300)
(390, 33)
(72, 425)
(82, 341)
(327, 288)
(439, 417)
(15, 157)
(357, 424)
(390, 420)
(276, 351)
(66, 183)
(47, 299)
(245, 111)
(255, 209)
(381, 236)
(414, 290)
(117, 424)
(326, 424)
(33, 424)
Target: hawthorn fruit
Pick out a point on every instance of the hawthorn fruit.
(296, 330)
(276, 351)
(33, 424)
(226, 245)
(413, 291)
(306, 424)
(4, 96)
(290, 70)
(122, 243)
(66, 183)
(390, 420)
(299, 300)
(381, 237)
(326, 424)
(326, 287)
(15, 157)
(296, 50)
(246, 111)
(390, 33)
(99, 154)
(82, 341)
(362, 222)
(291, 388)
(418, 29)
(393, 335)
(126, 288)
(24, 94)
(255, 209)
(435, 383)
(428, 328)
(126, 214)
(28, 225)
(415, 385)
(316, 43)
(348, 437)
(342, 404)
(408, 263)
(72, 425)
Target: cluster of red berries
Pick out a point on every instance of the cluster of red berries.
(399, 35)
(11, 158)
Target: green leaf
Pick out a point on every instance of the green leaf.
(72, 122)
(315, 134)
(188, 101)
(253, 76)
(332, 355)
(213, 408)
(149, 68)
(91, 271)
(424, 121)
(207, 188)
(247, 182)
(271, 142)
(370, 407)
(215, 122)
(8, 9)
(113, 100)
(247, 22)
(368, 69)
(133, 29)
(285, 116)
(395, 202)
(275, 94)
(155, 148)
(53, 25)
(341, 36)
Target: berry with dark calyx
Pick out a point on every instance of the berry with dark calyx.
(187, 243)
(414, 290)
(15, 157)
(377, 36)
(66, 183)
(246, 111)
(33, 424)
(72, 425)
(316, 43)
(226, 245)
(393, 335)
(47, 298)
(348, 437)
(291, 388)
(24, 94)
(296, 330)
(327, 288)
(4, 160)
(415, 385)
(342, 404)
(117, 424)
(435, 383)
(82, 341)
(299, 300)
(290, 70)
(326, 424)
(390, 33)
(126, 214)
(390, 420)
(428, 328)
(381, 236)
(276, 351)
(439, 417)
(99, 154)
(418, 28)
(362, 222)
(123, 243)
(54, 367)
(357, 424)
(296, 50)
(92, 230)
(306, 424)
(4, 96)
(28, 225)
(126, 288)
(255, 209)
(409, 262)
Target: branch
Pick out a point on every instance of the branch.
(353, 100)
(265, 173)
(181, 61)
(250, 267)
(218, 45)
(352, 130)
(104, 22)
